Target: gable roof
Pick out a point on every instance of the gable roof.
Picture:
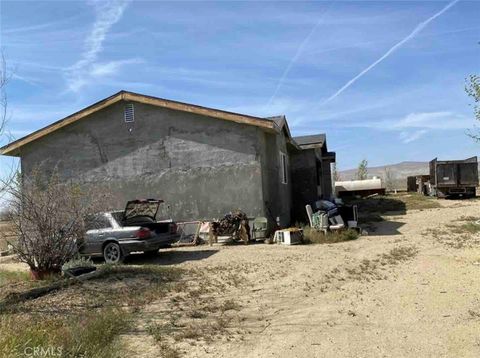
(311, 141)
(282, 124)
(264, 123)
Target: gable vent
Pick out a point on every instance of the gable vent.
(129, 113)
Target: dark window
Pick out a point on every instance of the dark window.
(283, 168)
(95, 222)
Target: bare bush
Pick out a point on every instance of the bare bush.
(389, 180)
(7, 170)
(49, 219)
(4, 78)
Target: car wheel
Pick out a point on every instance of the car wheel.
(112, 253)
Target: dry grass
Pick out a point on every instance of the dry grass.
(415, 201)
(367, 270)
(457, 236)
(468, 218)
(371, 270)
(399, 254)
(85, 320)
(167, 351)
(11, 277)
(466, 228)
(377, 204)
(394, 203)
(312, 236)
(73, 337)
(196, 314)
(199, 323)
(474, 314)
(4, 235)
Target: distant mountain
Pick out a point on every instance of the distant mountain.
(399, 172)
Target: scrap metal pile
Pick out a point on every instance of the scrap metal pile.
(232, 223)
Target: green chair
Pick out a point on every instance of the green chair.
(259, 228)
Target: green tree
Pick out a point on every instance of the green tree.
(362, 171)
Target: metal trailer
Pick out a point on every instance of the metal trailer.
(454, 177)
(419, 184)
(359, 187)
(412, 184)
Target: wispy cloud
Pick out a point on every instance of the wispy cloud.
(395, 47)
(112, 67)
(434, 120)
(298, 53)
(37, 27)
(37, 115)
(443, 120)
(407, 137)
(107, 13)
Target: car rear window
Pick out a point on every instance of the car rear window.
(94, 222)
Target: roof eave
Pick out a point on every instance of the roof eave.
(13, 149)
(312, 145)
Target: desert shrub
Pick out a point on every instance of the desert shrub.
(48, 218)
(78, 262)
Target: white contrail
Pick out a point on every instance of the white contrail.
(108, 13)
(415, 31)
(298, 53)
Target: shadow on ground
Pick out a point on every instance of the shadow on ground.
(170, 257)
(385, 228)
(380, 204)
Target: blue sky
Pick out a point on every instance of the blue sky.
(384, 79)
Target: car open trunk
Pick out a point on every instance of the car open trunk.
(143, 213)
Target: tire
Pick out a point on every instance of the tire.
(112, 253)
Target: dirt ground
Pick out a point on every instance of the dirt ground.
(351, 299)
(402, 291)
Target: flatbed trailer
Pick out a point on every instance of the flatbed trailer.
(454, 177)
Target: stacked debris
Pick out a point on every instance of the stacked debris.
(232, 223)
(327, 216)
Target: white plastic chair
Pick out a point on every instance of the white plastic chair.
(309, 214)
(337, 223)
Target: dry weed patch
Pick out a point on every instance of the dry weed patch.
(313, 236)
(371, 270)
(198, 314)
(84, 320)
(457, 236)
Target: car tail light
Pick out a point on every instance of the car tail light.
(172, 228)
(143, 233)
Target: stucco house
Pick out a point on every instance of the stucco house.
(202, 161)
